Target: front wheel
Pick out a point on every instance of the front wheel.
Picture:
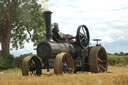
(64, 63)
(31, 65)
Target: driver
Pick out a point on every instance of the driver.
(58, 36)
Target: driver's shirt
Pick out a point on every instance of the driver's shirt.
(61, 35)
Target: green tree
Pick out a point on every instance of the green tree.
(121, 53)
(115, 53)
(126, 54)
(20, 21)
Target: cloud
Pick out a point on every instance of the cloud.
(117, 46)
(105, 19)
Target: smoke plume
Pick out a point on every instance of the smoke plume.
(45, 4)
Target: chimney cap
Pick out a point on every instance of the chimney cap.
(48, 11)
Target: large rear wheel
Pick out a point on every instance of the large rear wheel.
(64, 63)
(98, 59)
(31, 65)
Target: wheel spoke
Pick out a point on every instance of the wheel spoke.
(83, 43)
(69, 70)
(102, 67)
(82, 40)
(99, 59)
(101, 54)
(32, 65)
(99, 69)
(81, 34)
(104, 61)
(83, 30)
(65, 66)
(85, 36)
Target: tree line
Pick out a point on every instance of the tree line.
(121, 54)
(11, 62)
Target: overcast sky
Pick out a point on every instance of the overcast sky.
(105, 19)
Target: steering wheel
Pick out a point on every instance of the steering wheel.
(83, 37)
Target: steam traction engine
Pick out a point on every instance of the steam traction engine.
(66, 57)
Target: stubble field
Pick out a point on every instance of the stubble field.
(114, 76)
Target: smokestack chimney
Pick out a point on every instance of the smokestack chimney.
(47, 15)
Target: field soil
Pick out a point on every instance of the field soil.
(114, 76)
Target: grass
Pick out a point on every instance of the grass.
(114, 76)
(13, 70)
(117, 75)
(117, 60)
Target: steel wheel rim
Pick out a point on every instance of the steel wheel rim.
(98, 59)
(102, 60)
(65, 66)
(32, 67)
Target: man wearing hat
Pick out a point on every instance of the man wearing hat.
(58, 36)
